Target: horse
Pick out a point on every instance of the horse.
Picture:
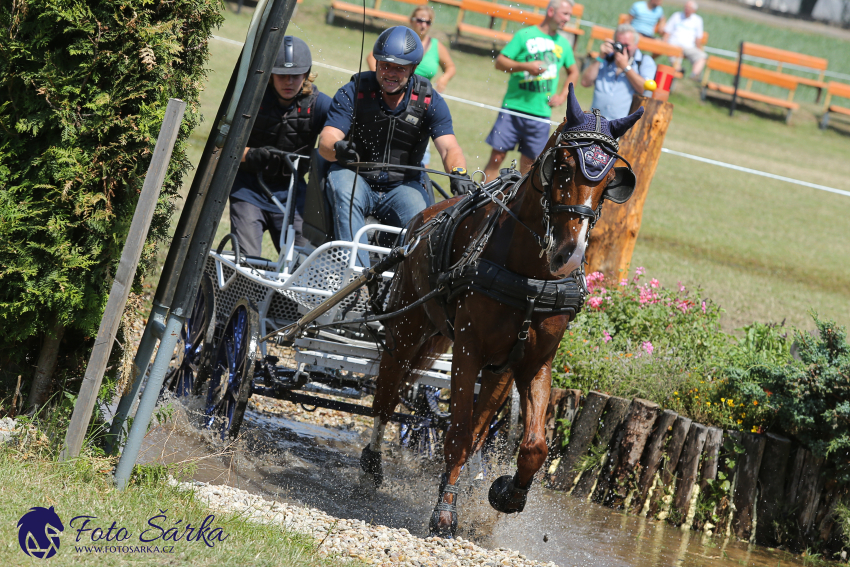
(503, 272)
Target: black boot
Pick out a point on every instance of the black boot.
(370, 463)
(434, 526)
(505, 496)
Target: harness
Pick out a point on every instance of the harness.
(391, 139)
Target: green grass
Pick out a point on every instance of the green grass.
(765, 250)
(82, 487)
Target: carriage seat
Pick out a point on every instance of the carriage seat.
(318, 225)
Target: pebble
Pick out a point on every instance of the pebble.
(355, 539)
(7, 429)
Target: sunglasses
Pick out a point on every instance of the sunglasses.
(421, 21)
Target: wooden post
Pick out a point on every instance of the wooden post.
(581, 435)
(628, 450)
(563, 413)
(123, 279)
(615, 413)
(809, 492)
(710, 454)
(613, 239)
(771, 505)
(688, 469)
(651, 461)
(745, 487)
(671, 459)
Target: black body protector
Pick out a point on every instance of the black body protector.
(383, 137)
(291, 132)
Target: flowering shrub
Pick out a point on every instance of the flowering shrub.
(636, 338)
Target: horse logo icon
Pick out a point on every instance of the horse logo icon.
(38, 532)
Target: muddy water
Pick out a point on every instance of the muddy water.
(299, 462)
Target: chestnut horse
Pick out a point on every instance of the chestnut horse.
(560, 198)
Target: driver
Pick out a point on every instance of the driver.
(290, 118)
(396, 113)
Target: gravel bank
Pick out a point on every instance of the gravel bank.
(355, 539)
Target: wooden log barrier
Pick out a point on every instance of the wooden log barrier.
(615, 413)
(581, 435)
(613, 239)
(710, 456)
(562, 409)
(651, 460)
(671, 458)
(625, 461)
(808, 491)
(688, 470)
(747, 483)
(771, 505)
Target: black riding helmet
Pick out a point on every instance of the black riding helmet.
(294, 57)
(399, 45)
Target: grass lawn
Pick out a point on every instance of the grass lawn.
(82, 487)
(764, 250)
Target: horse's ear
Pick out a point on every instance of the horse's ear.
(575, 115)
(621, 187)
(547, 169)
(621, 125)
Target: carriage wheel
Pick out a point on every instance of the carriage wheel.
(233, 369)
(425, 440)
(195, 345)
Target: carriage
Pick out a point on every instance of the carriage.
(225, 348)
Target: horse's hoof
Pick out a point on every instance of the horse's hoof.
(434, 527)
(370, 463)
(505, 497)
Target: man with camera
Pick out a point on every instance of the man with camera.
(618, 73)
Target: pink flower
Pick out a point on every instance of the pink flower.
(683, 305)
(647, 296)
(640, 271)
(647, 346)
(654, 283)
(624, 281)
(703, 307)
(595, 277)
(681, 287)
(594, 302)
(605, 336)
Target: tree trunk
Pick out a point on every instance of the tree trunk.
(613, 239)
(42, 382)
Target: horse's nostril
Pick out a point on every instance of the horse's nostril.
(559, 260)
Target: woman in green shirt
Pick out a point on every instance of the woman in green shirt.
(436, 54)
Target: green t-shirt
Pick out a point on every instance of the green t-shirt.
(527, 93)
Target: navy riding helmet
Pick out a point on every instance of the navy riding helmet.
(399, 45)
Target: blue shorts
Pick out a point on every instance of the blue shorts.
(511, 131)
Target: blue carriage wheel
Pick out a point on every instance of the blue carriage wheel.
(195, 346)
(232, 378)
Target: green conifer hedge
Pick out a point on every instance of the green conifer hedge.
(83, 90)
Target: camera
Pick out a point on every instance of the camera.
(618, 48)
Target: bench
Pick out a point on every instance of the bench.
(781, 56)
(574, 27)
(519, 14)
(375, 12)
(654, 47)
(839, 90)
(752, 74)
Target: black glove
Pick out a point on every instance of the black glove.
(345, 152)
(461, 186)
(258, 158)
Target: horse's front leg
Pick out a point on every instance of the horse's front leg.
(466, 363)
(508, 494)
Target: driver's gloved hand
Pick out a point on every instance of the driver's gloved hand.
(463, 185)
(345, 152)
(258, 158)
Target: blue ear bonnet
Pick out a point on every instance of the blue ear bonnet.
(595, 145)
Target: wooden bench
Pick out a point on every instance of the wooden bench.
(574, 27)
(495, 12)
(752, 74)
(375, 12)
(781, 56)
(839, 90)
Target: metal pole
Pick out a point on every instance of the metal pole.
(171, 268)
(123, 278)
(737, 79)
(210, 215)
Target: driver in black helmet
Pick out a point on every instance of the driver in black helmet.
(397, 112)
(290, 118)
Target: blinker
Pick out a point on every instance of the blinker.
(621, 187)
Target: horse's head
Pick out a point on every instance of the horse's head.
(575, 174)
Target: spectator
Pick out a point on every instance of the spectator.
(685, 30)
(397, 111)
(534, 58)
(291, 115)
(617, 76)
(646, 16)
(436, 57)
